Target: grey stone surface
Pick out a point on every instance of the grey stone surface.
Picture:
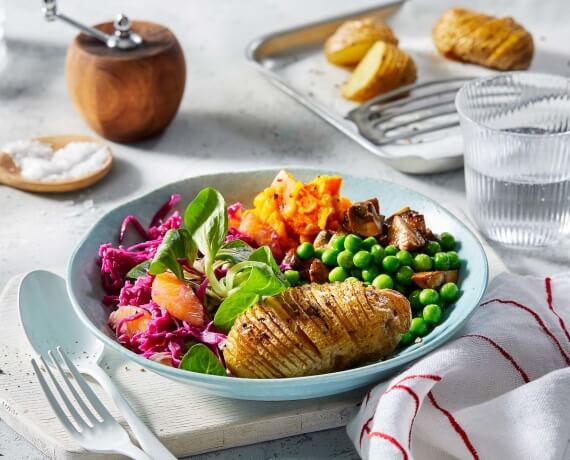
(230, 118)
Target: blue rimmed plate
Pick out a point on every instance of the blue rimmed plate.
(85, 291)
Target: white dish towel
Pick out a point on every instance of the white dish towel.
(500, 390)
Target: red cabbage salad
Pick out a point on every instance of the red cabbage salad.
(177, 292)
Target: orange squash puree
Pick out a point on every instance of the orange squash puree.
(294, 212)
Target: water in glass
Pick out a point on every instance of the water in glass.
(517, 157)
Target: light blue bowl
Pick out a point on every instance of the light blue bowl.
(85, 290)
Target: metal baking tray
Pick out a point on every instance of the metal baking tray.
(293, 60)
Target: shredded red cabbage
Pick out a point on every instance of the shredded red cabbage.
(166, 338)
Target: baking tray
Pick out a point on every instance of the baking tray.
(293, 60)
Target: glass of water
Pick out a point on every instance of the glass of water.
(3, 50)
(516, 130)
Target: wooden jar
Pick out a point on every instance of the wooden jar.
(127, 95)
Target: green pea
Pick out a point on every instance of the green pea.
(432, 248)
(378, 253)
(356, 272)
(449, 292)
(391, 250)
(383, 281)
(406, 339)
(362, 259)
(390, 264)
(405, 258)
(338, 274)
(344, 259)
(447, 241)
(441, 261)
(305, 251)
(353, 243)
(329, 257)
(414, 299)
(319, 253)
(419, 327)
(338, 242)
(369, 242)
(422, 263)
(369, 273)
(432, 313)
(352, 279)
(454, 261)
(428, 296)
(404, 275)
(292, 276)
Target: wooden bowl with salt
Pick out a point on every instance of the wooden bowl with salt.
(10, 171)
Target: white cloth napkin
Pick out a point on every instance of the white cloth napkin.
(500, 390)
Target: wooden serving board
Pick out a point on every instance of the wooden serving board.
(187, 420)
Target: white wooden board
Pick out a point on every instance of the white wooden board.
(186, 420)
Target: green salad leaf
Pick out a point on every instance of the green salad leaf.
(176, 244)
(232, 307)
(199, 358)
(234, 251)
(206, 218)
(138, 270)
(264, 255)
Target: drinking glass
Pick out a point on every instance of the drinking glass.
(516, 131)
(3, 49)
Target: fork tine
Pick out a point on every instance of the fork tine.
(434, 114)
(87, 391)
(76, 395)
(409, 134)
(78, 419)
(405, 89)
(421, 108)
(387, 106)
(62, 417)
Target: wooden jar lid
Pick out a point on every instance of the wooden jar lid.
(127, 95)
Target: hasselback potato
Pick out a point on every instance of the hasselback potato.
(497, 43)
(351, 41)
(315, 329)
(384, 68)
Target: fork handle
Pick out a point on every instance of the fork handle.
(146, 438)
(132, 451)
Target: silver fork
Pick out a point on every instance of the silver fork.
(97, 430)
(409, 112)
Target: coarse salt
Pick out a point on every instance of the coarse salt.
(39, 162)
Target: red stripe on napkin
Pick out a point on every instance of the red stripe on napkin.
(460, 431)
(548, 286)
(391, 440)
(416, 399)
(506, 355)
(538, 320)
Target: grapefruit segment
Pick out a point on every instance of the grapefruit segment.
(177, 298)
(133, 326)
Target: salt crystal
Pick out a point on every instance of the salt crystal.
(39, 162)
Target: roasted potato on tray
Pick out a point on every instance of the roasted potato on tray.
(315, 329)
(384, 68)
(497, 43)
(351, 41)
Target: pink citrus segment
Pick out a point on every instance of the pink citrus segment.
(177, 298)
(131, 327)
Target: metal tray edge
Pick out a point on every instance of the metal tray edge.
(412, 164)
